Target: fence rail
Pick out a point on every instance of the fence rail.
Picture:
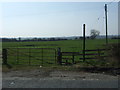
(97, 50)
(95, 54)
(92, 54)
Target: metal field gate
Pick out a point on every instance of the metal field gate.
(31, 56)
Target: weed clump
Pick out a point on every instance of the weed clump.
(113, 55)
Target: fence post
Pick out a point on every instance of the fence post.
(17, 56)
(55, 57)
(99, 52)
(83, 42)
(73, 59)
(42, 56)
(29, 56)
(4, 56)
(59, 57)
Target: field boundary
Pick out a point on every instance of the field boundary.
(43, 56)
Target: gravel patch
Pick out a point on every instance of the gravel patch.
(57, 79)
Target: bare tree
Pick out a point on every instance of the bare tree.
(94, 33)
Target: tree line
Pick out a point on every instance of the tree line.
(30, 39)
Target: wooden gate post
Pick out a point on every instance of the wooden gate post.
(59, 57)
(4, 56)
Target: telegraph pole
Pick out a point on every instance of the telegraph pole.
(106, 22)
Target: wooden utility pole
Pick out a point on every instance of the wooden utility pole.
(83, 42)
(106, 22)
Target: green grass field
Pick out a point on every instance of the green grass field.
(66, 46)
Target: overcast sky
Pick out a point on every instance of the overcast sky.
(50, 19)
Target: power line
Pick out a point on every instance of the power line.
(102, 17)
(99, 17)
(111, 2)
(107, 4)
